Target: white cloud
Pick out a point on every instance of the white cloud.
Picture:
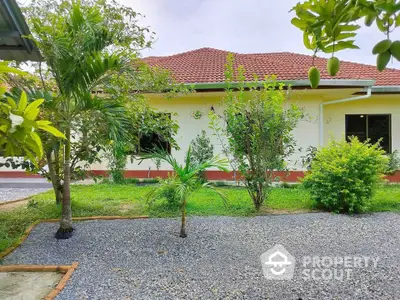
(245, 26)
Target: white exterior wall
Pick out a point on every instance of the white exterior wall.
(334, 123)
(306, 134)
(189, 127)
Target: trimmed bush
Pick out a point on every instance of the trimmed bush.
(344, 175)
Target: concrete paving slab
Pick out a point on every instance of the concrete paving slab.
(27, 285)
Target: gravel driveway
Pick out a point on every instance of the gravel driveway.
(220, 259)
(9, 194)
(19, 188)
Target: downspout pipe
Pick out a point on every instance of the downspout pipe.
(323, 104)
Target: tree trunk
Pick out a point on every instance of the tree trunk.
(259, 196)
(65, 230)
(54, 176)
(256, 193)
(183, 224)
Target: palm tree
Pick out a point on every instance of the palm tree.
(187, 178)
(81, 53)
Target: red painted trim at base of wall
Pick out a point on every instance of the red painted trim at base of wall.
(395, 177)
(289, 176)
(18, 174)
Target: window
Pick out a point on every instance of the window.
(152, 141)
(373, 127)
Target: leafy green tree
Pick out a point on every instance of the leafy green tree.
(202, 150)
(94, 143)
(19, 123)
(87, 46)
(331, 26)
(115, 93)
(258, 126)
(186, 180)
(87, 142)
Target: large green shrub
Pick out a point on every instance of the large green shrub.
(344, 175)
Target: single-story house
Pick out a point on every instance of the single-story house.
(358, 101)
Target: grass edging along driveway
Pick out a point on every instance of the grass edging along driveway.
(129, 201)
(67, 270)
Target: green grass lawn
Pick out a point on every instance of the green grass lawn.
(130, 200)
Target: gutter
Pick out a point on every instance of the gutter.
(385, 89)
(303, 82)
(323, 104)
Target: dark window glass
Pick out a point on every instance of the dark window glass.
(372, 127)
(152, 141)
(379, 128)
(356, 125)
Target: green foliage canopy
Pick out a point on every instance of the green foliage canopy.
(331, 26)
(19, 123)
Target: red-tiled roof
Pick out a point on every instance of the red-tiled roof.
(206, 65)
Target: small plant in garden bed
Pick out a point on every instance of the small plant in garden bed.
(131, 181)
(166, 193)
(287, 185)
(202, 150)
(228, 184)
(394, 163)
(135, 181)
(344, 175)
(186, 180)
(148, 181)
(220, 183)
(308, 158)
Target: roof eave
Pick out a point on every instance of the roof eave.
(343, 83)
(17, 30)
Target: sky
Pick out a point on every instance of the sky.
(243, 26)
